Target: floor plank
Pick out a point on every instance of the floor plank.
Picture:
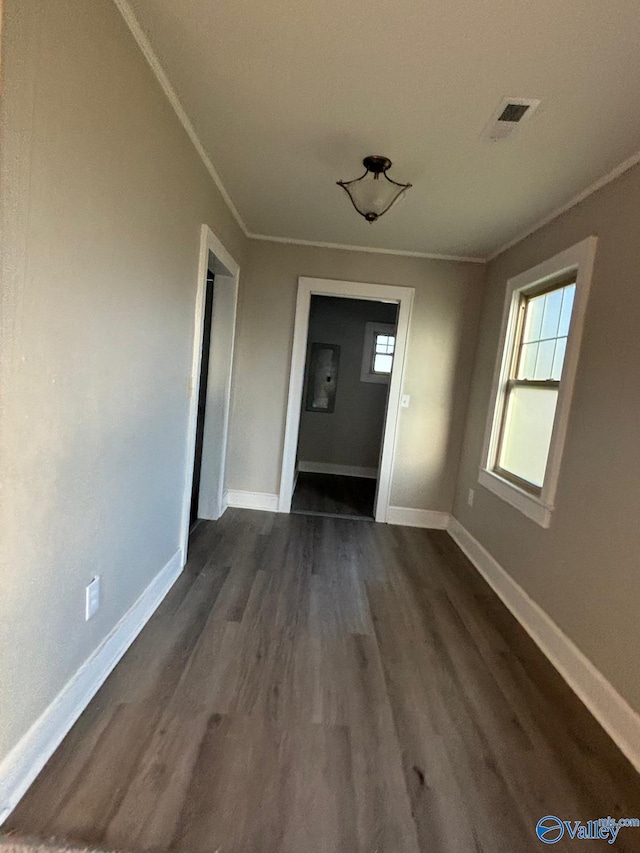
(323, 684)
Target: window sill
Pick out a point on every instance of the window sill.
(529, 505)
(379, 378)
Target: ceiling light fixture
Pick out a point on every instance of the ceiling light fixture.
(370, 195)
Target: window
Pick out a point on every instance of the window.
(378, 352)
(383, 347)
(534, 381)
(531, 392)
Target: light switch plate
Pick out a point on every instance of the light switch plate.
(92, 598)
(470, 497)
(406, 399)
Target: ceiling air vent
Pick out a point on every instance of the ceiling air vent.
(510, 114)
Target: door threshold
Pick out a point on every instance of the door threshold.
(332, 515)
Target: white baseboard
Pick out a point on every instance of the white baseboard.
(21, 766)
(610, 709)
(340, 470)
(409, 517)
(252, 500)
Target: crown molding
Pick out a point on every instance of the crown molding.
(149, 54)
(155, 65)
(151, 57)
(592, 188)
(348, 248)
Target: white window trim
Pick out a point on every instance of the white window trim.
(371, 330)
(578, 259)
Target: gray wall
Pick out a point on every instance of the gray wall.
(437, 371)
(103, 199)
(352, 433)
(585, 569)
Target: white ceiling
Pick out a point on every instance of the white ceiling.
(288, 96)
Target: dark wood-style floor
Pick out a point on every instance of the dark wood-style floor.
(319, 684)
(331, 494)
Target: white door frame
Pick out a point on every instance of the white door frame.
(308, 287)
(216, 429)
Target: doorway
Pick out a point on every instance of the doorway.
(209, 385)
(402, 299)
(350, 355)
(202, 398)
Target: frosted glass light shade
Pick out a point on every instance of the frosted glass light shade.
(374, 193)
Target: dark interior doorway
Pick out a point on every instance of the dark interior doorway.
(202, 397)
(350, 356)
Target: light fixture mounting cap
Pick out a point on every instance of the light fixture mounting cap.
(376, 163)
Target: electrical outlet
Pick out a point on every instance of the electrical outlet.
(92, 598)
(470, 497)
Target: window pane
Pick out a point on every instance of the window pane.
(544, 335)
(382, 363)
(384, 343)
(568, 294)
(551, 317)
(544, 364)
(558, 358)
(527, 432)
(528, 356)
(533, 319)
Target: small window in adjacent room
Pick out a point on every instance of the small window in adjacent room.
(383, 348)
(534, 381)
(378, 352)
